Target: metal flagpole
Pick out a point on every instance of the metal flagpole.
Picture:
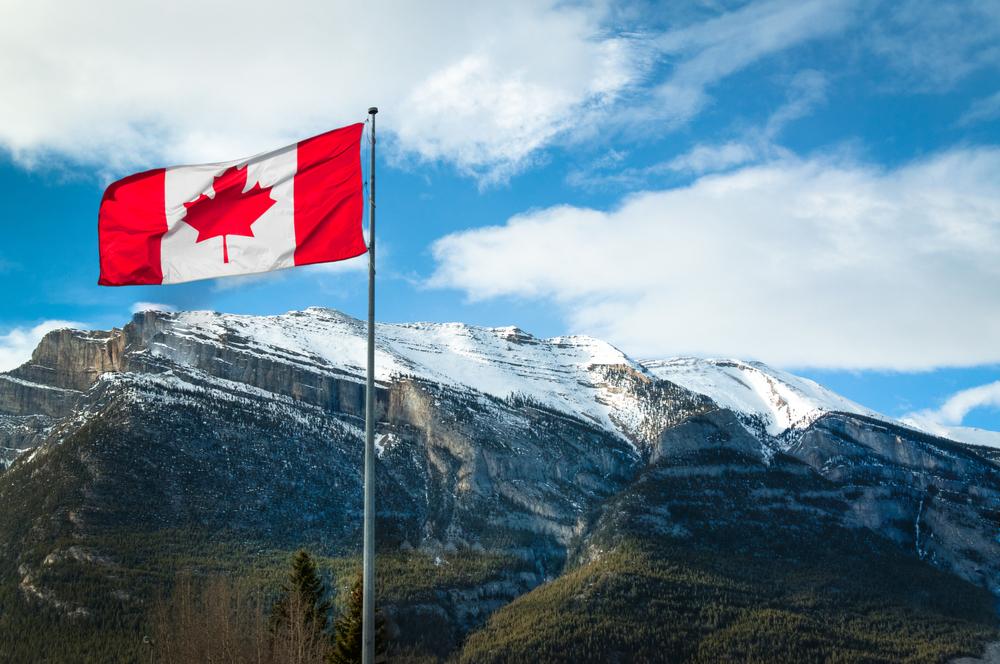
(368, 602)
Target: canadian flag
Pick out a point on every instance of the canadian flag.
(298, 205)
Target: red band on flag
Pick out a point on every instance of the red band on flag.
(329, 201)
(132, 224)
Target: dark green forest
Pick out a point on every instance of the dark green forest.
(680, 604)
(841, 597)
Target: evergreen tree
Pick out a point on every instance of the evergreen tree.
(306, 586)
(347, 628)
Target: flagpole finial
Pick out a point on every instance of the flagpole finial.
(372, 110)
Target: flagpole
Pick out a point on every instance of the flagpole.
(368, 601)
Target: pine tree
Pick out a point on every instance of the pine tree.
(308, 590)
(347, 628)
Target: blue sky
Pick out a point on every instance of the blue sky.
(812, 184)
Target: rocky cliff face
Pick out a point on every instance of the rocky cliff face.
(934, 496)
(496, 442)
(35, 396)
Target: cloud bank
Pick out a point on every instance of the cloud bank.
(484, 87)
(801, 263)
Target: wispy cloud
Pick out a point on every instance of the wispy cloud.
(818, 262)
(933, 45)
(987, 108)
(492, 120)
(704, 158)
(17, 344)
(712, 50)
(804, 91)
(960, 404)
(947, 420)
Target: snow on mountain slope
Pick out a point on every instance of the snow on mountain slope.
(563, 373)
(501, 362)
(780, 400)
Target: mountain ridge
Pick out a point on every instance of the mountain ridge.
(774, 403)
(524, 458)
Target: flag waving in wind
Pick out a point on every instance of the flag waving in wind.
(298, 205)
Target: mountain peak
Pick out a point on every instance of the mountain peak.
(564, 373)
(781, 401)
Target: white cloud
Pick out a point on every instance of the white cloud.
(946, 421)
(960, 404)
(934, 44)
(987, 108)
(805, 90)
(17, 345)
(123, 85)
(492, 119)
(152, 306)
(820, 263)
(483, 86)
(702, 158)
(707, 158)
(711, 50)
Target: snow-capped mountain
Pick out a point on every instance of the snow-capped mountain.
(583, 377)
(563, 373)
(560, 373)
(540, 452)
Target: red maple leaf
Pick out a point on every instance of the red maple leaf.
(231, 211)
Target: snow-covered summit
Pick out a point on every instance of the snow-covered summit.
(781, 400)
(567, 374)
(505, 361)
